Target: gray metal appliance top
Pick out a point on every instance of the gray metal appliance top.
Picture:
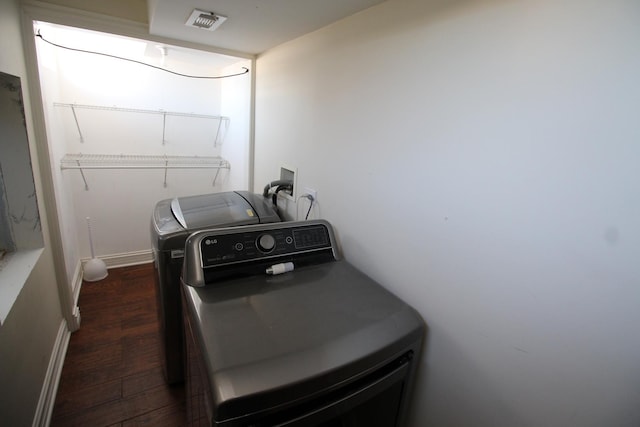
(195, 212)
(174, 219)
(270, 340)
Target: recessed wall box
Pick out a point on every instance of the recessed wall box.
(290, 174)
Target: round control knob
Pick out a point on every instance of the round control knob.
(266, 243)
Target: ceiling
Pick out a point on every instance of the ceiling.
(252, 26)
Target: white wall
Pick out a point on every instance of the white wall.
(236, 102)
(120, 202)
(480, 159)
(63, 188)
(28, 334)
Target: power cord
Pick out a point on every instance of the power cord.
(274, 196)
(311, 202)
(246, 70)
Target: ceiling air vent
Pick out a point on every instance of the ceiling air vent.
(205, 20)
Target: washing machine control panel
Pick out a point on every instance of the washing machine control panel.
(244, 244)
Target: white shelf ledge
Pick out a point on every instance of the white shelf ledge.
(15, 269)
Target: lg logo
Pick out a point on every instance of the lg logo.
(211, 241)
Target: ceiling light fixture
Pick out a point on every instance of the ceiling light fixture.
(205, 20)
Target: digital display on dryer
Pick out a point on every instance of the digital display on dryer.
(310, 237)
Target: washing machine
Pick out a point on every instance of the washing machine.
(173, 220)
(280, 331)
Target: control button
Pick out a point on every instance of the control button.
(289, 240)
(239, 246)
(266, 243)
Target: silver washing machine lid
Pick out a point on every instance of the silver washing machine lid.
(213, 210)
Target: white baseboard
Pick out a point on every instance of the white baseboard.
(126, 259)
(42, 417)
(76, 282)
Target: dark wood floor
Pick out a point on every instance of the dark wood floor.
(112, 374)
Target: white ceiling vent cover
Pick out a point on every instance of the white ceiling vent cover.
(205, 20)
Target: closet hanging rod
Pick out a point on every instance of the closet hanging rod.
(139, 110)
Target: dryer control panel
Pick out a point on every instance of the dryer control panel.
(236, 250)
(217, 249)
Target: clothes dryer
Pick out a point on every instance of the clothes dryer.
(321, 344)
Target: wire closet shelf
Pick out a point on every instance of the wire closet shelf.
(127, 161)
(223, 122)
(83, 162)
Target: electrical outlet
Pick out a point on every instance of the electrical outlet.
(310, 191)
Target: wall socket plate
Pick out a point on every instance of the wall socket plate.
(310, 191)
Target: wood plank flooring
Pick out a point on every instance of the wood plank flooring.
(112, 374)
